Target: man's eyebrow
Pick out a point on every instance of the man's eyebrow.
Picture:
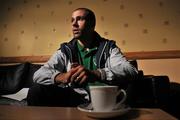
(82, 17)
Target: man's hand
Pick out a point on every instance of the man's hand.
(83, 75)
(78, 74)
(65, 77)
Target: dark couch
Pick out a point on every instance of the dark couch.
(146, 91)
(15, 77)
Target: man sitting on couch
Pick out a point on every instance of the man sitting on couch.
(88, 59)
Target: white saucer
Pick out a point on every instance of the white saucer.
(109, 114)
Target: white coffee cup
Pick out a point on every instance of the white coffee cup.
(103, 98)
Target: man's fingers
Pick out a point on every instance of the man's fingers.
(73, 65)
(84, 79)
(76, 73)
(74, 69)
(80, 76)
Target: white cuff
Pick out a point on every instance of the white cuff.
(103, 74)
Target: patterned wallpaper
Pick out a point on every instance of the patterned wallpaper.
(37, 27)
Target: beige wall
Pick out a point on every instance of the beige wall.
(37, 27)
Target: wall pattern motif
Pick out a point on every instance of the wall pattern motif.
(37, 27)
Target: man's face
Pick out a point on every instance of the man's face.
(79, 24)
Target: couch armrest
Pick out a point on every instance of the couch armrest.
(150, 91)
(12, 78)
(28, 81)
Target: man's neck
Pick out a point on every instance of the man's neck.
(87, 42)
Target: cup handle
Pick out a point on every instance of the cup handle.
(123, 99)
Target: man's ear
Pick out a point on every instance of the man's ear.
(91, 28)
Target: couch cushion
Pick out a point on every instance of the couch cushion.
(134, 63)
(150, 91)
(9, 101)
(29, 78)
(11, 78)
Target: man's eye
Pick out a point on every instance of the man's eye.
(72, 20)
(80, 18)
(77, 18)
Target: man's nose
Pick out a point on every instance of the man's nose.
(74, 23)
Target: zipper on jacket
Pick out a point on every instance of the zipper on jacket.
(101, 55)
(69, 53)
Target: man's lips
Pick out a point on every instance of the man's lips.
(76, 31)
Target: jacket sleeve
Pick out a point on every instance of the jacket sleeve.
(118, 68)
(55, 65)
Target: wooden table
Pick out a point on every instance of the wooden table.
(67, 113)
